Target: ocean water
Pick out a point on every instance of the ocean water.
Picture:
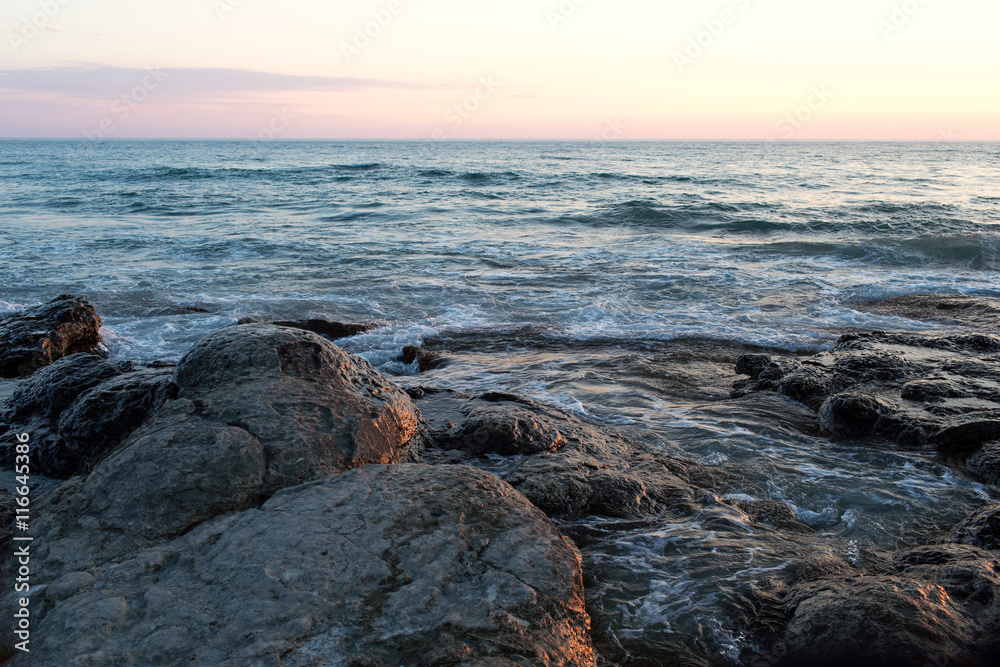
(615, 280)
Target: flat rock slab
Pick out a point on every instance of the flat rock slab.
(383, 565)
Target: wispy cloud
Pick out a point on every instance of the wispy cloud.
(97, 81)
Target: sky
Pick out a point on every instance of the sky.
(515, 69)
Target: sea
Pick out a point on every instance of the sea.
(615, 280)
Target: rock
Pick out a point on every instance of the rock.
(752, 365)
(986, 463)
(505, 429)
(968, 432)
(982, 529)
(104, 416)
(331, 330)
(566, 467)
(979, 312)
(854, 414)
(916, 390)
(40, 335)
(382, 565)
(883, 621)
(868, 366)
(425, 359)
(937, 554)
(180, 470)
(38, 402)
(82, 407)
(809, 385)
(315, 408)
(772, 513)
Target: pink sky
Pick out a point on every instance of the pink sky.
(575, 69)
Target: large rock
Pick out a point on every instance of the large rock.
(315, 408)
(383, 565)
(40, 335)
(878, 621)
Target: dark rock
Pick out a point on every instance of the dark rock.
(103, 417)
(752, 365)
(931, 390)
(332, 330)
(986, 463)
(80, 408)
(937, 554)
(772, 513)
(969, 432)
(315, 408)
(179, 471)
(50, 391)
(566, 467)
(38, 402)
(383, 565)
(425, 359)
(979, 312)
(38, 336)
(809, 385)
(854, 414)
(877, 621)
(982, 529)
(505, 430)
(872, 366)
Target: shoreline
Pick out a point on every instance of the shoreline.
(604, 490)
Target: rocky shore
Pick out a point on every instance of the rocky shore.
(274, 500)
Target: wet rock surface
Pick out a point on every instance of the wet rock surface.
(383, 565)
(40, 335)
(981, 313)
(918, 390)
(566, 467)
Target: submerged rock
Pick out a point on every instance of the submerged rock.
(383, 565)
(40, 335)
(425, 359)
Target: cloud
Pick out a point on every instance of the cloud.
(101, 81)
